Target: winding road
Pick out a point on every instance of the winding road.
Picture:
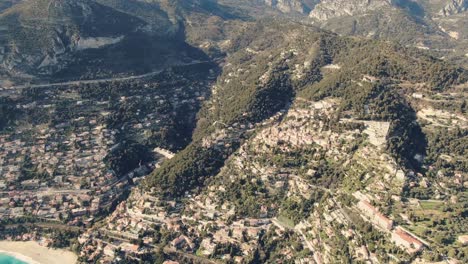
(79, 82)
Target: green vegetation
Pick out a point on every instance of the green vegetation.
(295, 209)
(454, 143)
(8, 113)
(31, 172)
(441, 223)
(431, 205)
(252, 88)
(186, 171)
(126, 156)
(247, 195)
(270, 249)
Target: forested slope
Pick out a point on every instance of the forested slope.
(274, 62)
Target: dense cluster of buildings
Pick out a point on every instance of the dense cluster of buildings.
(71, 182)
(375, 216)
(55, 168)
(146, 216)
(57, 173)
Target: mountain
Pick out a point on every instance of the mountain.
(380, 19)
(160, 16)
(204, 24)
(288, 6)
(422, 23)
(207, 23)
(332, 8)
(260, 89)
(454, 7)
(236, 131)
(84, 39)
(7, 3)
(43, 31)
(303, 123)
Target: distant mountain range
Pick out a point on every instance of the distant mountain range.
(45, 38)
(439, 25)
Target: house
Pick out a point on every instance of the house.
(368, 78)
(78, 212)
(83, 238)
(403, 239)
(253, 232)
(208, 246)
(463, 240)
(182, 242)
(30, 183)
(109, 250)
(362, 253)
(130, 235)
(247, 248)
(129, 248)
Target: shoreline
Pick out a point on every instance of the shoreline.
(19, 256)
(33, 253)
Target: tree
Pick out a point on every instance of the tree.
(127, 156)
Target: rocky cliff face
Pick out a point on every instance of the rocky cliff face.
(42, 36)
(454, 7)
(4, 4)
(79, 38)
(327, 9)
(287, 6)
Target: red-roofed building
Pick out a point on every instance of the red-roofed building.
(375, 216)
(407, 241)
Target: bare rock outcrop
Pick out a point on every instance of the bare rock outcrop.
(328, 9)
(454, 7)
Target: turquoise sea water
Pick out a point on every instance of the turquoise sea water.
(7, 259)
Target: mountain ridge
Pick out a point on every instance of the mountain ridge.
(51, 39)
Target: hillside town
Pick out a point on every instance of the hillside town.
(233, 131)
(56, 168)
(215, 225)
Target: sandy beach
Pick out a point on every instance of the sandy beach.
(33, 253)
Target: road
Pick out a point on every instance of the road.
(47, 192)
(46, 225)
(116, 79)
(168, 250)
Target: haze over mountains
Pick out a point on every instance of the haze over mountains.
(236, 131)
(423, 23)
(61, 29)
